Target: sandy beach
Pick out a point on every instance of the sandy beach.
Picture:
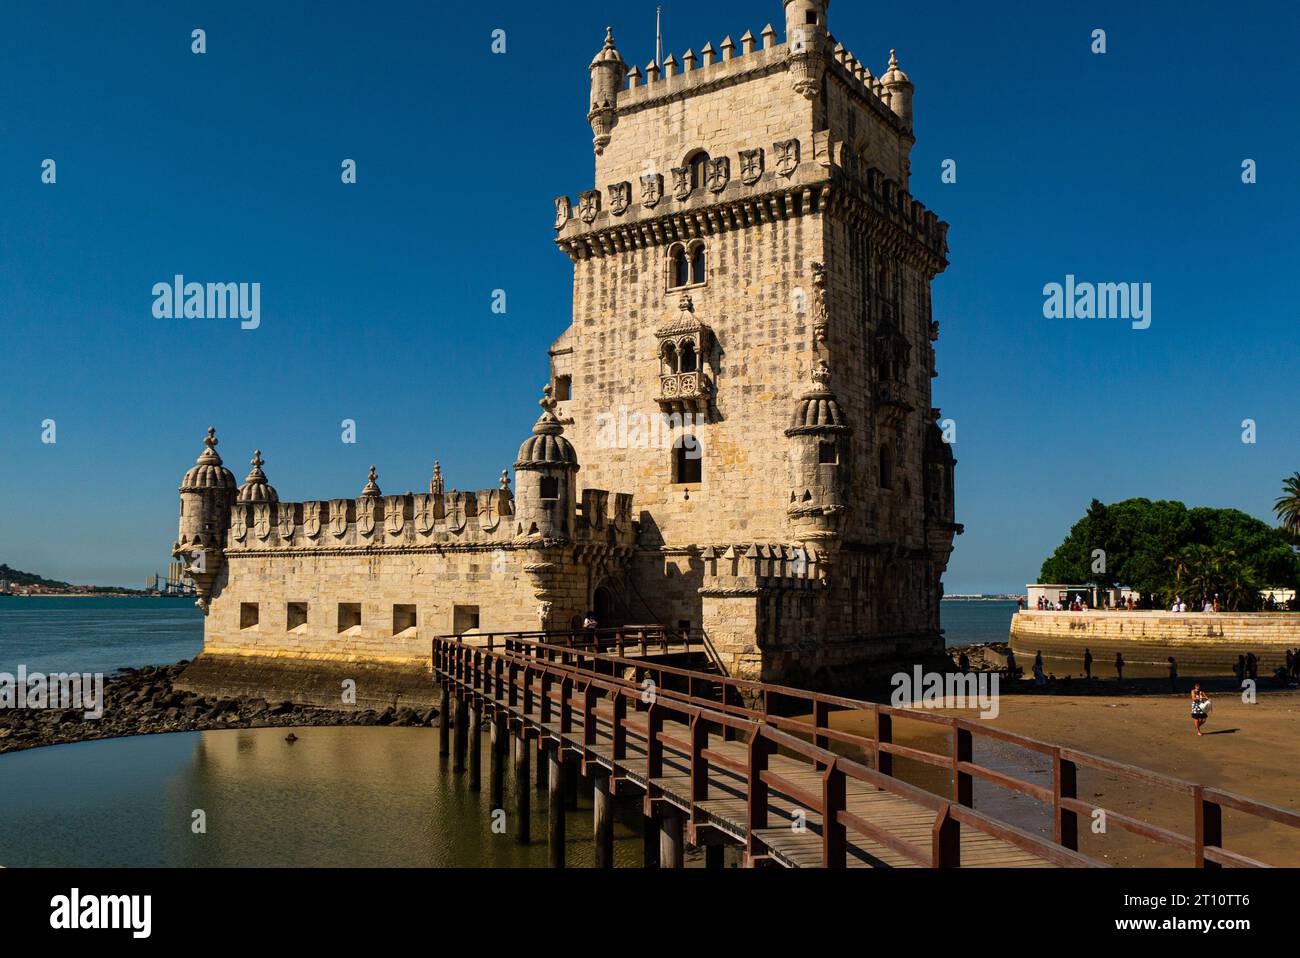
(1251, 749)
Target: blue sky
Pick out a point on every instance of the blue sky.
(376, 298)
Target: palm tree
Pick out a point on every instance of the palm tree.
(1288, 505)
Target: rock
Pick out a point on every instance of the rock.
(284, 708)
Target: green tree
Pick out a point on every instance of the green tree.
(1288, 506)
(1162, 549)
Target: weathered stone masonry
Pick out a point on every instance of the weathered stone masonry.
(748, 261)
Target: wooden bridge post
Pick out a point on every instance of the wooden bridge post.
(461, 730)
(522, 790)
(834, 802)
(570, 762)
(1065, 782)
(1209, 827)
(475, 732)
(884, 736)
(945, 841)
(672, 848)
(963, 783)
(497, 774)
(555, 804)
(650, 841)
(444, 719)
(542, 774)
(603, 820)
(760, 749)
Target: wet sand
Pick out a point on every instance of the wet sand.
(1253, 750)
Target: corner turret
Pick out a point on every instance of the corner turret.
(806, 34)
(898, 90)
(608, 73)
(819, 457)
(207, 493)
(546, 478)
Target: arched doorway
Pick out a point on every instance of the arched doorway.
(607, 606)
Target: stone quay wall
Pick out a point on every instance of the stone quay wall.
(1199, 642)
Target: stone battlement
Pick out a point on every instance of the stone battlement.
(608, 223)
(485, 518)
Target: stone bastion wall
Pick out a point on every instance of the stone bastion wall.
(1200, 642)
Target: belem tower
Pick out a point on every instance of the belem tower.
(737, 436)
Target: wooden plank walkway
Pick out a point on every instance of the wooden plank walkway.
(727, 807)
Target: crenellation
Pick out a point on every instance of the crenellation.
(749, 233)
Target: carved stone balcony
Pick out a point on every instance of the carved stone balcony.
(685, 393)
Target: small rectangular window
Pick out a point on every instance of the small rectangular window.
(812, 18)
(827, 454)
(563, 388)
(464, 618)
(349, 615)
(248, 615)
(296, 616)
(550, 487)
(403, 618)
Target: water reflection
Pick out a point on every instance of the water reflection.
(339, 797)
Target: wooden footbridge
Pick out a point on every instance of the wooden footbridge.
(715, 761)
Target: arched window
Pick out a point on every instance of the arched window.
(699, 164)
(688, 358)
(697, 265)
(681, 268)
(670, 359)
(688, 460)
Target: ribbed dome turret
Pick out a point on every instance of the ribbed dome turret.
(818, 410)
(255, 487)
(608, 54)
(547, 447)
(208, 472)
(894, 76)
(371, 491)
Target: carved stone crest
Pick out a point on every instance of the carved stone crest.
(262, 520)
(238, 523)
(489, 517)
(719, 174)
(455, 512)
(589, 206)
(394, 515)
(338, 517)
(787, 156)
(366, 516)
(751, 166)
(284, 521)
(681, 182)
(620, 197)
(312, 517)
(426, 513)
(563, 211)
(652, 189)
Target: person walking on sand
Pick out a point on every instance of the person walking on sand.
(1173, 675)
(1252, 666)
(1087, 663)
(1200, 707)
(1012, 669)
(1119, 666)
(1039, 678)
(963, 663)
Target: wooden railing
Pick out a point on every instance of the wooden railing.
(736, 707)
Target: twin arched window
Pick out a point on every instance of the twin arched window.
(687, 266)
(683, 360)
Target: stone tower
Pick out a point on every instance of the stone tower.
(207, 493)
(750, 232)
